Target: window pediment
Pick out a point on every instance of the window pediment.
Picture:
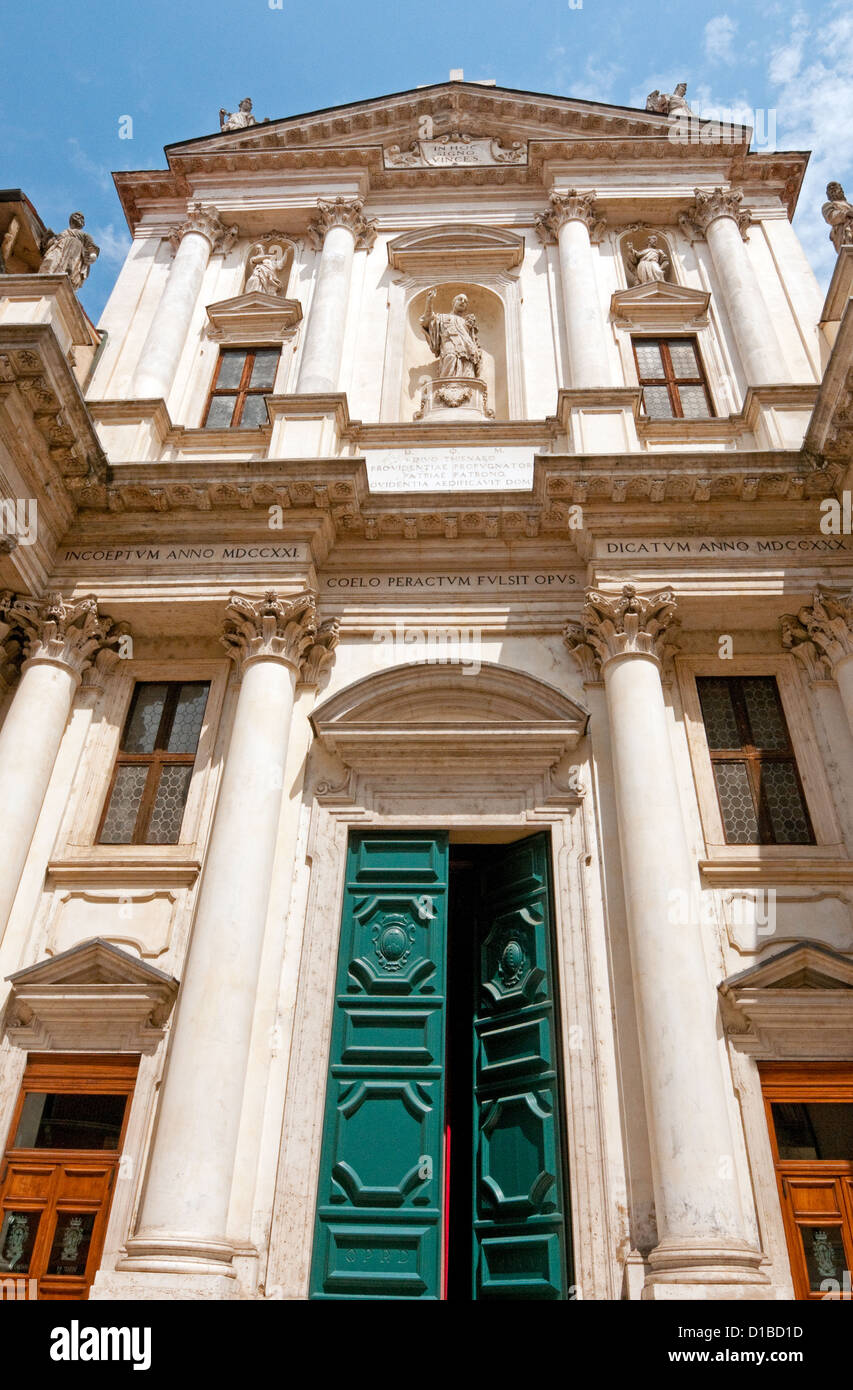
(253, 318)
(797, 1004)
(660, 306)
(93, 997)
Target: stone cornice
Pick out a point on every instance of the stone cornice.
(628, 624)
(276, 628)
(821, 633)
(68, 633)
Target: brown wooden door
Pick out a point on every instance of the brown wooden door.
(810, 1117)
(59, 1171)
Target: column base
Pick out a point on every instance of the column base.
(116, 1286)
(705, 1269)
(178, 1254)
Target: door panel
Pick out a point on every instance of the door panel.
(379, 1198)
(519, 1203)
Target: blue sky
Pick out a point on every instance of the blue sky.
(72, 71)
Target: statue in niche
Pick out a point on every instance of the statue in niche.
(839, 214)
(71, 253)
(237, 120)
(453, 338)
(648, 265)
(669, 103)
(265, 266)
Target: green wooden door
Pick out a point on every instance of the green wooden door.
(379, 1199)
(519, 1199)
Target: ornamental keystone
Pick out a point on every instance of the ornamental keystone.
(821, 633)
(709, 204)
(631, 624)
(281, 629)
(69, 633)
(570, 206)
(342, 212)
(204, 219)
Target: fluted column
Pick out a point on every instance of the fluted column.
(61, 639)
(184, 1214)
(719, 217)
(821, 636)
(701, 1233)
(193, 242)
(339, 230)
(572, 221)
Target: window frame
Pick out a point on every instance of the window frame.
(155, 761)
(755, 757)
(829, 841)
(241, 393)
(669, 379)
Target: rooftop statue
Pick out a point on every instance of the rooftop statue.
(71, 252)
(669, 103)
(839, 214)
(453, 338)
(237, 120)
(649, 263)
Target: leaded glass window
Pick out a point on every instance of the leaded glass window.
(151, 780)
(755, 772)
(670, 373)
(243, 377)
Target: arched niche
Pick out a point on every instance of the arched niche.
(419, 362)
(281, 249)
(456, 258)
(642, 239)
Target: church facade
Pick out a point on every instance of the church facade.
(426, 604)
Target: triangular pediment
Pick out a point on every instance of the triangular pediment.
(797, 1004)
(92, 962)
(253, 318)
(660, 303)
(804, 966)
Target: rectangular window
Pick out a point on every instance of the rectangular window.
(755, 772)
(151, 781)
(670, 373)
(243, 377)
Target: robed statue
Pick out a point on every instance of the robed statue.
(70, 253)
(669, 103)
(237, 120)
(649, 264)
(265, 266)
(839, 214)
(453, 338)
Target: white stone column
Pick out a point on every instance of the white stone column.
(184, 1214)
(573, 222)
(60, 641)
(193, 243)
(339, 230)
(718, 216)
(821, 635)
(701, 1233)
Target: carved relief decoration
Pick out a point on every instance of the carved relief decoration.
(619, 625)
(570, 206)
(821, 633)
(71, 632)
(282, 628)
(342, 212)
(454, 149)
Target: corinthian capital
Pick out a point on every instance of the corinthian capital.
(342, 212)
(69, 632)
(204, 219)
(708, 205)
(321, 653)
(284, 629)
(630, 624)
(570, 206)
(821, 634)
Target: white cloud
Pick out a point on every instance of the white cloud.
(81, 161)
(114, 245)
(718, 39)
(785, 58)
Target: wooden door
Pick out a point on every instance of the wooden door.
(810, 1117)
(58, 1173)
